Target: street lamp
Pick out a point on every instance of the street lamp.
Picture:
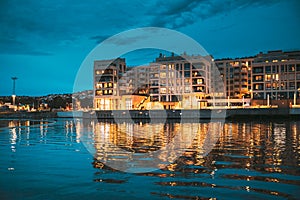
(295, 96)
(14, 90)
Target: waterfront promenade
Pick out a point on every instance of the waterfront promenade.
(171, 114)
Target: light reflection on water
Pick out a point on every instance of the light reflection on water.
(253, 159)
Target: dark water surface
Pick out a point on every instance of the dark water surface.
(67, 159)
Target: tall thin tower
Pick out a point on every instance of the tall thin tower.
(14, 90)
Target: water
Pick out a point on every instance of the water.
(66, 159)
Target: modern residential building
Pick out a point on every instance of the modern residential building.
(180, 81)
(106, 83)
(276, 77)
(168, 83)
(236, 74)
(194, 82)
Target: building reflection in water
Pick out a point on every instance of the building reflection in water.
(260, 146)
(140, 147)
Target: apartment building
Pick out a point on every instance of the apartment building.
(193, 82)
(236, 75)
(168, 83)
(180, 81)
(107, 74)
(276, 77)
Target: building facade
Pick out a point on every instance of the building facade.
(276, 75)
(168, 83)
(180, 81)
(107, 74)
(193, 82)
(236, 76)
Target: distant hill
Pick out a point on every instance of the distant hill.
(85, 99)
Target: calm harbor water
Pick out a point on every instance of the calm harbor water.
(75, 159)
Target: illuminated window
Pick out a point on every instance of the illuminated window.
(268, 77)
(98, 92)
(291, 68)
(199, 88)
(163, 90)
(258, 87)
(199, 81)
(163, 75)
(268, 86)
(98, 85)
(187, 89)
(258, 78)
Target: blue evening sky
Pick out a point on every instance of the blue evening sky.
(44, 42)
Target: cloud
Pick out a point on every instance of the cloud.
(45, 24)
(181, 13)
(13, 46)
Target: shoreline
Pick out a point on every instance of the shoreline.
(221, 113)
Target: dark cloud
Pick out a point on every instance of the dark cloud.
(13, 46)
(53, 22)
(177, 14)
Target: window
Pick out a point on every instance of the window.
(258, 86)
(187, 74)
(98, 92)
(186, 66)
(268, 77)
(282, 68)
(187, 89)
(199, 81)
(268, 69)
(298, 68)
(292, 85)
(163, 75)
(257, 69)
(163, 67)
(291, 68)
(163, 90)
(258, 78)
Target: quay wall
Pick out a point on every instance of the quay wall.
(160, 114)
